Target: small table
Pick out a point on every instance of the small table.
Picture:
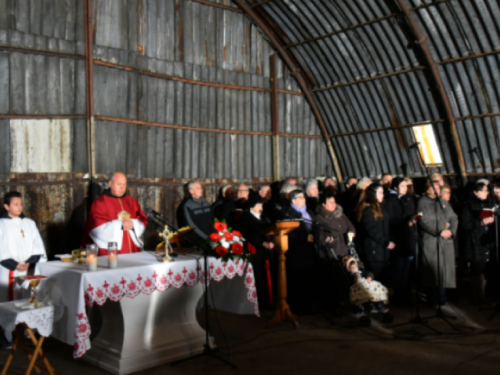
(12, 316)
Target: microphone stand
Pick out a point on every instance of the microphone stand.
(207, 348)
(495, 309)
(417, 319)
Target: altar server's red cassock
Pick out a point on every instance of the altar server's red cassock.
(104, 224)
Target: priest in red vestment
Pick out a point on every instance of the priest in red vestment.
(115, 217)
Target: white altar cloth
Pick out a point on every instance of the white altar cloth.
(73, 287)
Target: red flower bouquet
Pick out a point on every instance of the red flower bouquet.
(229, 244)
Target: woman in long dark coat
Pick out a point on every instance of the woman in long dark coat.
(401, 210)
(251, 225)
(435, 279)
(478, 239)
(373, 232)
(300, 257)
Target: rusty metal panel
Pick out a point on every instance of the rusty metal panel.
(40, 146)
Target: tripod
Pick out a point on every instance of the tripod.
(495, 309)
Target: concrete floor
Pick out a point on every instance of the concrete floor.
(325, 344)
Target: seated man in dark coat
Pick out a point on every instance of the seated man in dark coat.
(197, 213)
(251, 225)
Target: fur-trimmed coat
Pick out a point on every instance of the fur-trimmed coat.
(338, 221)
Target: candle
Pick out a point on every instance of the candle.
(112, 254)
(112, 259)
(91, 262)
(91, 257)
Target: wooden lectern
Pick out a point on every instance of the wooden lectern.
(280, 230)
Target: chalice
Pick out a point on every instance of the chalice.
(34, 282)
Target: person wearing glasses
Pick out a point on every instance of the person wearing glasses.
(300, 257)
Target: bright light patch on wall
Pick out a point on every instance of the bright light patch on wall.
(40, 146)
(427, 145)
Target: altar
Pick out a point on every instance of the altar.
(147, 309)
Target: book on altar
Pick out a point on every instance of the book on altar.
(418, 216)
(486, 213)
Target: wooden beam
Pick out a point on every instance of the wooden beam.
(189, 81)
(260, 3)
(193, 128)
(275, 116)
(380, 76)
(215, 5)
(89, 80)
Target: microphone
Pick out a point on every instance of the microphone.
(150, 211)
(155, 217)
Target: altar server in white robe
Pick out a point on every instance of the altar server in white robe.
(20, 247)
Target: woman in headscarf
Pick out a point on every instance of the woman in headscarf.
(300, 257)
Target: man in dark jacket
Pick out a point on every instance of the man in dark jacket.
(251, 225)
(197, 213)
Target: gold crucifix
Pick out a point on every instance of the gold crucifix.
(22, 232)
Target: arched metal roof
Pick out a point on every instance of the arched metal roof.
(369, 69)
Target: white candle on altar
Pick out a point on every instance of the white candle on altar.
(91, 262)
(112, 260)
(112, 254)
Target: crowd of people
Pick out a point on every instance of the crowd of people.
(386, 223)
(375, 232)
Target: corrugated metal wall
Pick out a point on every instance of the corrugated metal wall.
(203, 44)
(181, 91)
(464, 41)
(368, 80)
